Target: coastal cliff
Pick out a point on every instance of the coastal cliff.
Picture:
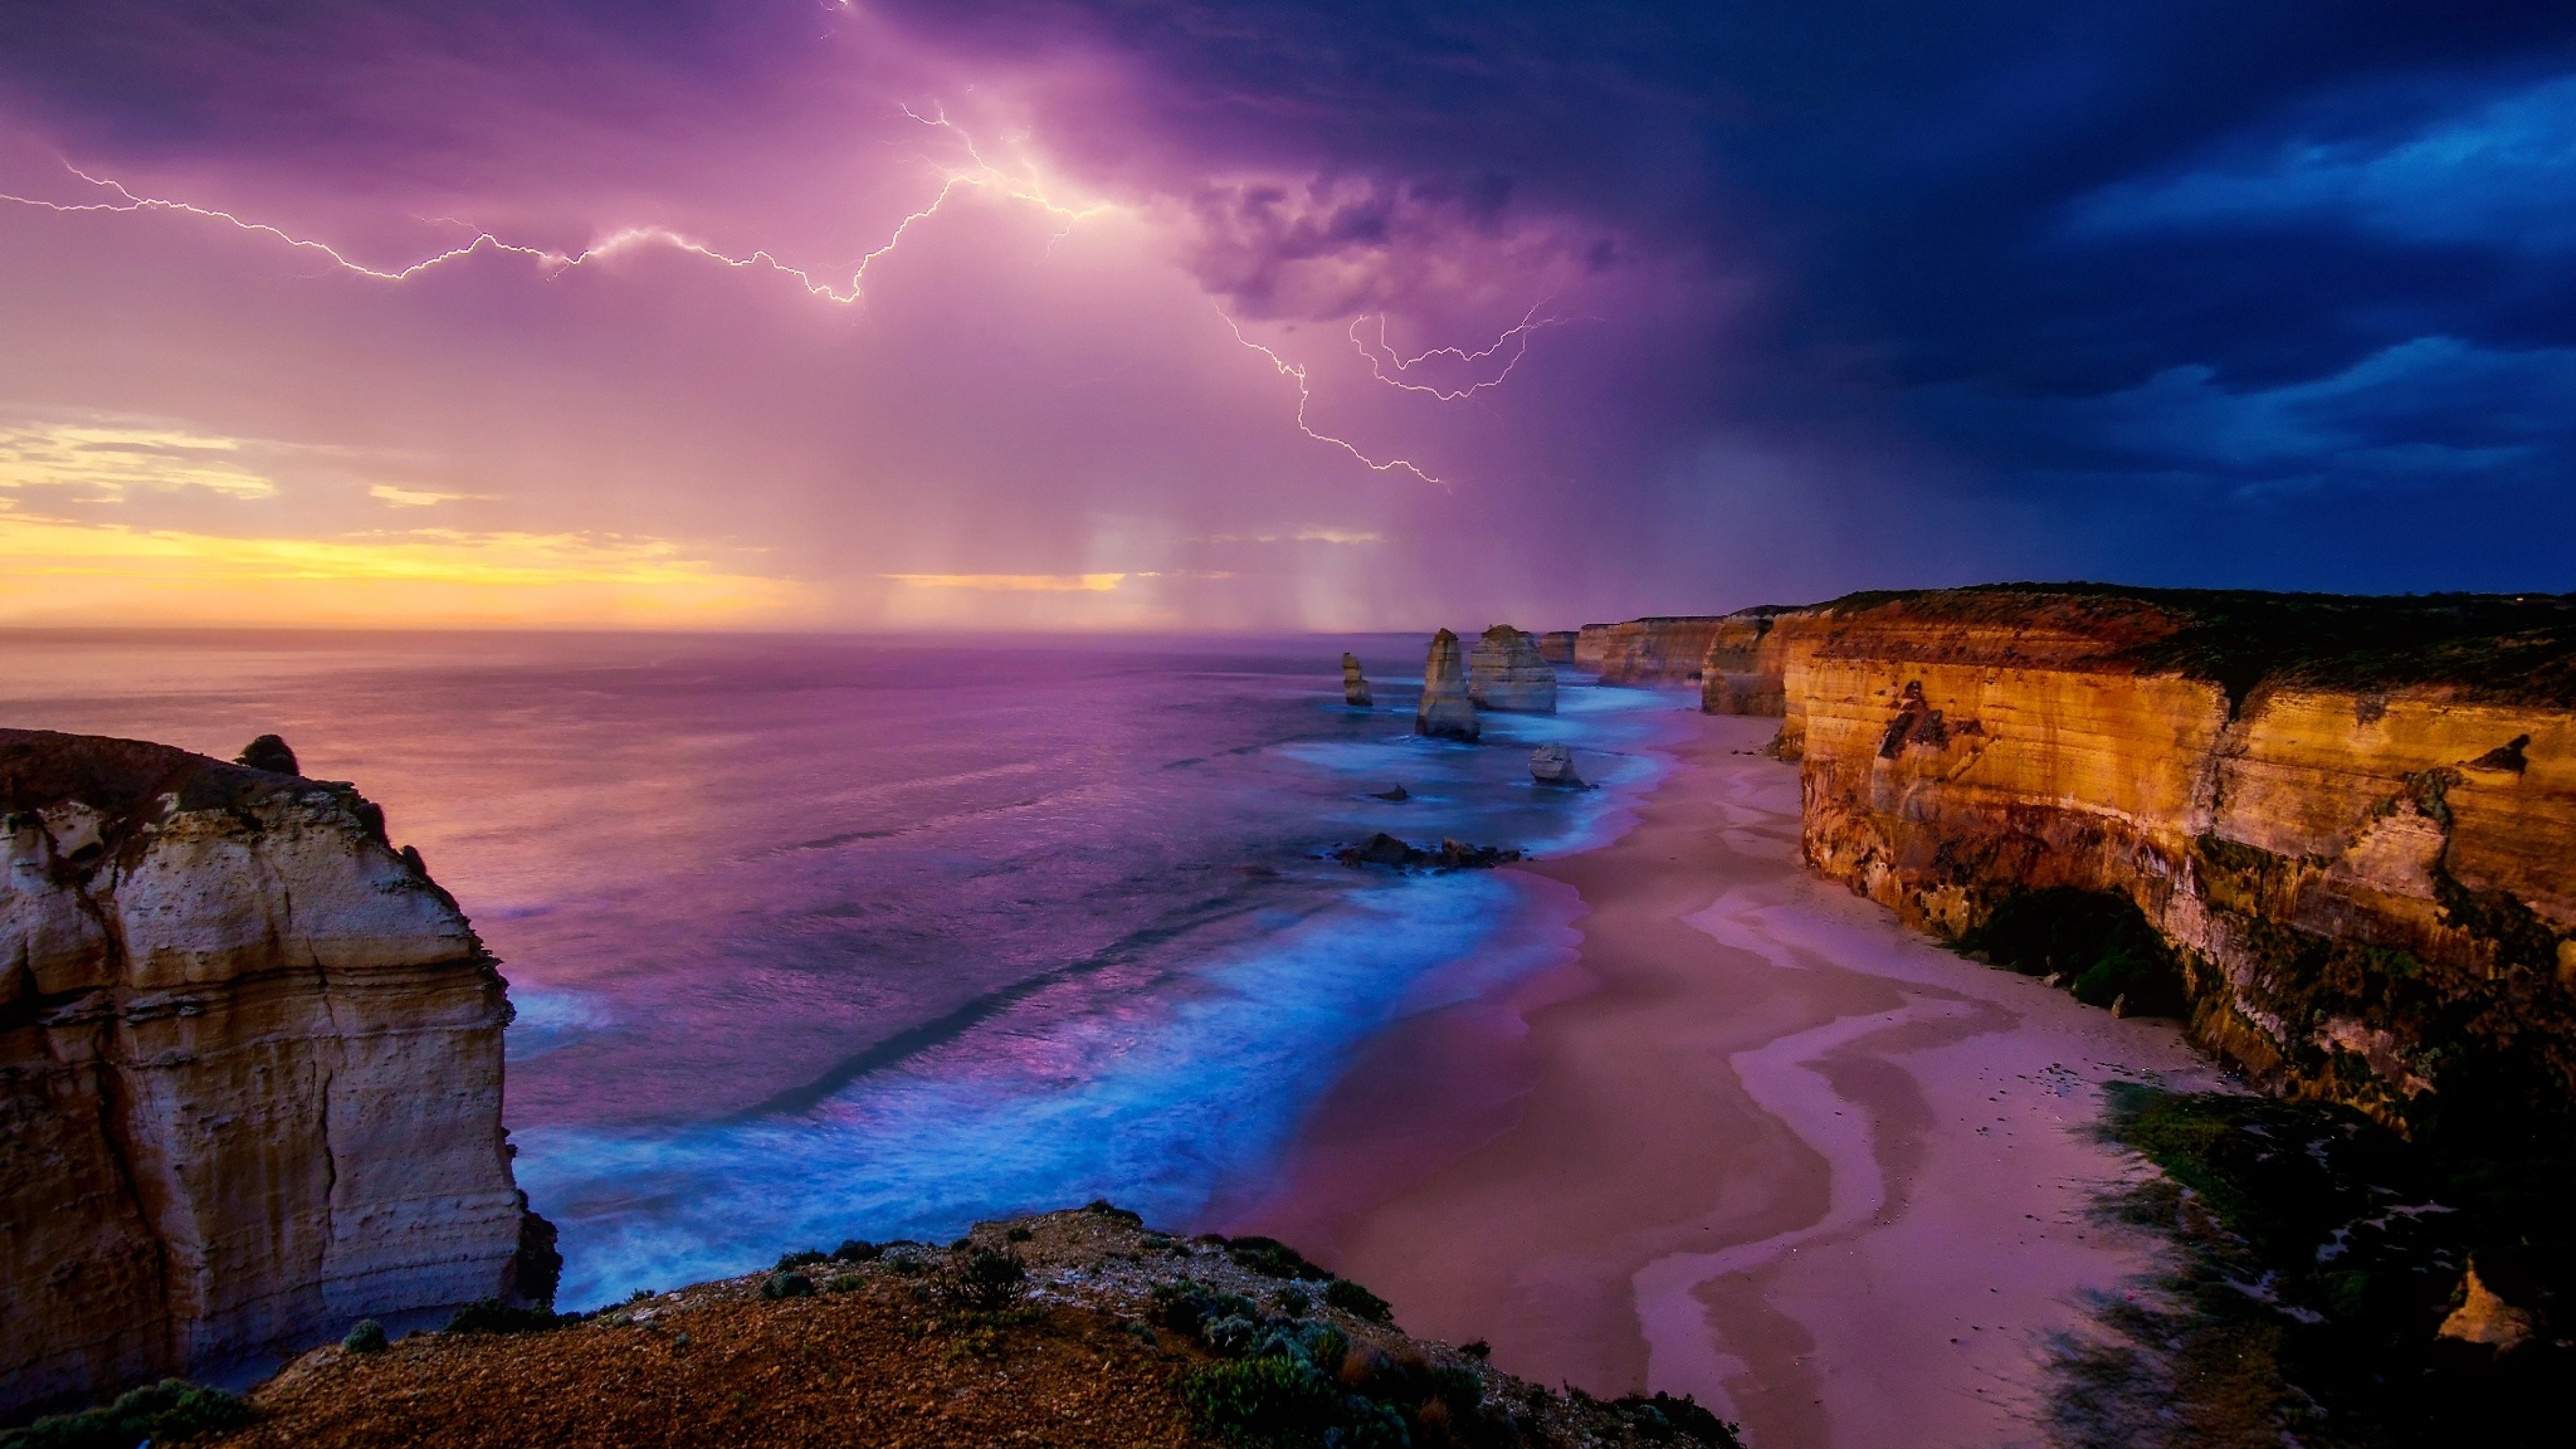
(1664, 650)
(1506, 672)
(250, 1064)
(2352, 822)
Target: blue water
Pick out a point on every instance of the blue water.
(824, 937)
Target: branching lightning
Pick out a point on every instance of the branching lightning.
(982, 175)
(1518, 333)
(1306, 394)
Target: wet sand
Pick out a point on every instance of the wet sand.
(1753, 1142)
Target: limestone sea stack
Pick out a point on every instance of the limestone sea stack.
(1554, 765)
(1557, 645)
(1446, 711)
(1507, 672)
(250, 1069)
(1355, 690)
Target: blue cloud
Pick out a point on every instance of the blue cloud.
(2430, 413)
(2501, 174)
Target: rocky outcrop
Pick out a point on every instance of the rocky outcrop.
(1446, 712)
(250, 1068)
(1506, 673)
(1554, 765)
(1658, 650)
(2354, 820)
(1385, 849)
(1557, 646)
(1355, 690)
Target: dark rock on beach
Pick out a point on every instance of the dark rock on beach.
(1385, 849)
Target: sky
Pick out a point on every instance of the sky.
(1143, 314)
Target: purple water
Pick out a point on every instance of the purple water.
(814, 938)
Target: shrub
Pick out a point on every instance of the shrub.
(855, 1250)
(1017, 1235)
(1273, 1259)
(844, 1283)
(171, 1409)
(1185, 1303)
(1358, 1302)
(787, 1285)
(987, 1281)
(805, 1259)
(1292, 1300)
(1101, 1206)
(1269, 1400)
(494, 1316)
(366, 1336)
(1663, 1418)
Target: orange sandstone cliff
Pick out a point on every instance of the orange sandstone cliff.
(2352, 820)
(250, 1068)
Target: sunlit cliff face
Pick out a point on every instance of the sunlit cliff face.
(1034, 313)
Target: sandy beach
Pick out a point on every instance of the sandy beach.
(1753, 1141)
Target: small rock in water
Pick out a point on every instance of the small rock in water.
(1554, 765)
(269, 753)
(2120, 1004)
(1398, 793)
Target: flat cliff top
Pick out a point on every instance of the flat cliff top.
(1116, 1336)
(2502, 648)
(40, 769)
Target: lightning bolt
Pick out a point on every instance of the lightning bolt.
(984, 175)
(1306, 394)
(1519, 333)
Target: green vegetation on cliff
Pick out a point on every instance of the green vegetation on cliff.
(2321, 1288)
(2516, 648)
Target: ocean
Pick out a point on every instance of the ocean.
(814, 938)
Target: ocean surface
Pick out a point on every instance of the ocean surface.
(826, 937)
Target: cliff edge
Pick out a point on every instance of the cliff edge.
(250, 1069)
(2351, 821)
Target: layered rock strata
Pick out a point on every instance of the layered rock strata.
(250, 1068)
(1355, 689)
(1557, 646)
(1446, 711)
(1506, 672)
(1669, 650)
(1589, 643)
(2354, 820)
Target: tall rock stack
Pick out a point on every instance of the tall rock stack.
(1355, 690)
(250, 1071)
(1507, 672)
(1446, 711)
(1557, 645)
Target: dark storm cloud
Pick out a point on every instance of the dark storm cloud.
(2221, 251)
(2197, 292)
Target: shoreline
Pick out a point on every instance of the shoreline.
(1739, 1145)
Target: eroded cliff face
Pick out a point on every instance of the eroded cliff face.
(1506, 672)
(1653, 651)
(2373, 889)
(250, 1071)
